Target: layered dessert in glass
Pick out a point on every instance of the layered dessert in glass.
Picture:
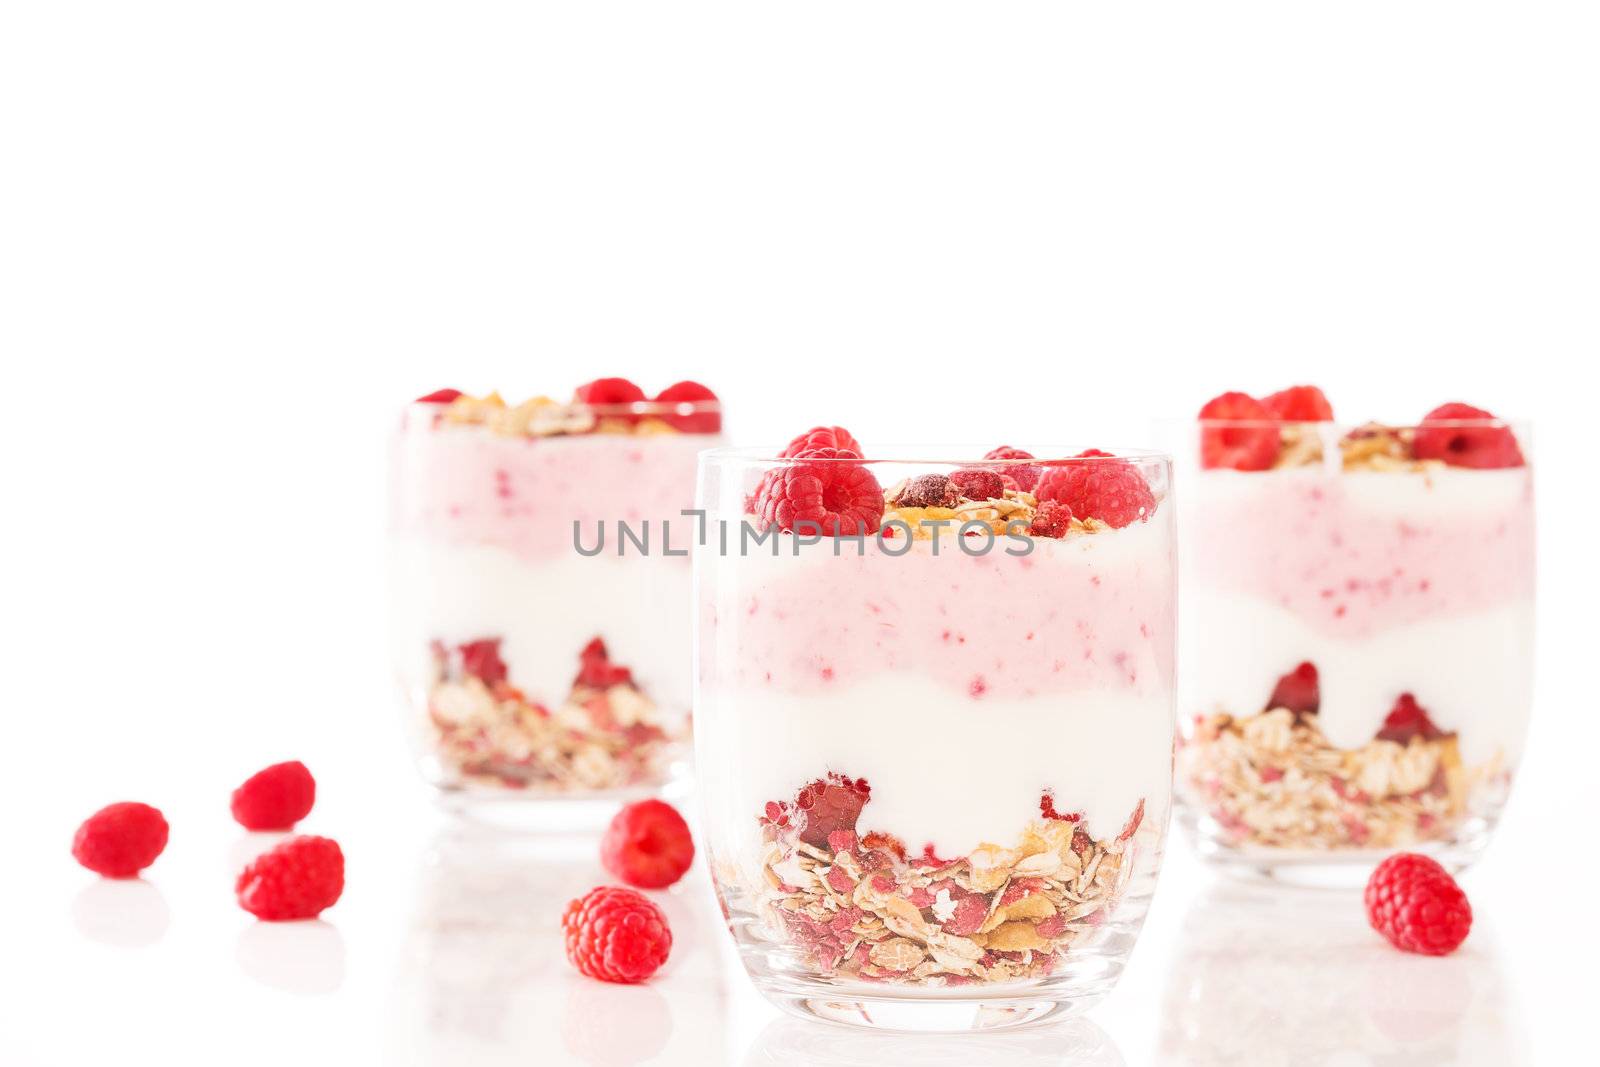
(1358, 632)
(541, 586)
(934, 723)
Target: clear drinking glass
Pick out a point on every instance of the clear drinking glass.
(934, 761)
(1357, 641)
(531, 664)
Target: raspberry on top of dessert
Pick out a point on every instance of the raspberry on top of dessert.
(605, 405)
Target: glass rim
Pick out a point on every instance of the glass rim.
(929, 456)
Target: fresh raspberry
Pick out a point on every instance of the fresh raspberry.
(978, 484)
(296, 879)
(822, 437)
(120, 840)
(1298, 691)
(1026, 475)
(825, 806)
(1103, 488)
(1483, 446)
(1299, 403)
(595, 669)
(647, 845)
(1406, 720)
(1414, 902)
(276, 798)
(616, 935)
(827, 496)
(609, 391)
(480, 659)
(1051, 519)
(439, 396)
(1240, 448)
(928, 491)
(691, 393)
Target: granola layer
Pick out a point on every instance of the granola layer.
(1272, 779)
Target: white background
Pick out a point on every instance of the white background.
(233, 237)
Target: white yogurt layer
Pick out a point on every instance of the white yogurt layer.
(545, 612)
(944, 769)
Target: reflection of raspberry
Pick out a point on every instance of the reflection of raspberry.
(609, 391)
(647, 845)
(1414, 902)
(1298, 690)
(822, 437)
(1051, 519)
(978, 484)
(1025, 475)
(1406, 720)
(1107, 489)
(825, 806)
(595, 669)
(1484, 447)
(616, 935)
(691, 393)
(439, 396)
(824, 496)
(1241, 448)
(120, 840)
(480, 659)
(297, 879)
(1299, 403)
(276, 798)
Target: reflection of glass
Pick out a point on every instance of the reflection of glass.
(936, 770)
(1357, 646)
(1266, 978)
(794, 1043)
(530, 669)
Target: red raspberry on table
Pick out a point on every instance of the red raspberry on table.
(1414, 902)
(480, 659)
(1026, 475)
(1484, 447)
(439, 396)
(1051, 519)
(1408, 719)
(595, 669)
(647, 845)
(616, 935)
(821, 492)
(1299, 403)
(120, 840)
(1104, 488)
(691, 393)
(275, 798)
(1240, 448)
(822, 437)
(1298, 691)
(977, 484)
(296, 879)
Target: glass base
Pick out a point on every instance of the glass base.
(535, 812)
(994, 1012)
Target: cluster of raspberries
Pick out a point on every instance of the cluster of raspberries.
(825, 489)
(295, 879)
(620, 392)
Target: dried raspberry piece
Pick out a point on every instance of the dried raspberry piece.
(1298, 691)
(1485, 447)
(1051, 519)
(825, 806)
(1097, 486)
(820, 494)
(439, 396)
(1026, 475)
(595, 669)
(1240, 448)
(297, 879)
(977, 484)
(1413, 902)
(928, 491)
(616, 935)
(1406, 720)
(120, 840)
(969, 915)
(609, 391)
(841, 841)
(1047, 808)
(480, 659)
(647, 845)
(1299, 403)
(691, 393)
(275, 798)
(822, 437)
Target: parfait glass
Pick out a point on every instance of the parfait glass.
(540, 586)
(1357, 640)
(934, 726)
